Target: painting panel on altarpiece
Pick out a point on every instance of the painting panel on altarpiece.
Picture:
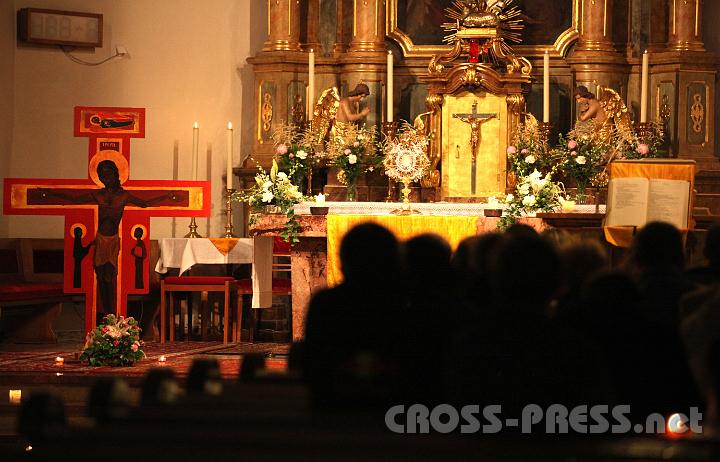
(328, 26)
(412, 100)
(544, 20)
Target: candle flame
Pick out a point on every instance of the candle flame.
(195, 125)
(229, 125)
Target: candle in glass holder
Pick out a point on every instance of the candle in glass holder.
(162, 359)
(229, 172)
(567, 206)
(320, 199)
(59, 360)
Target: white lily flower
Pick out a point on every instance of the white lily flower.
(581, 160)
(530, 159)
(352, 159)
(528, 201)
(267, 196)
(267, 185)
(302, 155)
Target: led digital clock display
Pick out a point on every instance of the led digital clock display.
(52, 27)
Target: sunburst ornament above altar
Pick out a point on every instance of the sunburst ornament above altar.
(499, 19)
(483, 29)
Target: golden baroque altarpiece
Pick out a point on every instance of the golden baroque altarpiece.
(472, 69)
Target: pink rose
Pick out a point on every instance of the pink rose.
(643, 149)
(291, 155)
(134, 347)
(281, 149)
(511, 150)
(524, 151)
(573, 153)
(116, 343)
(105, 329)
(572, 144)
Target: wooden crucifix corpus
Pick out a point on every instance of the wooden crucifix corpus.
(475, 120)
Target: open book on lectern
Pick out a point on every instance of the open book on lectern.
(635, 201)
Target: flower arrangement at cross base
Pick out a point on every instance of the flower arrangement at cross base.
(353, 152)
(274, 188)
(533, 193)
(406, 160)
(115, 342)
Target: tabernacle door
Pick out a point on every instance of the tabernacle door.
(489, 113)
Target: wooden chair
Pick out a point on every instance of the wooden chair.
(203, 284)
(281, 281)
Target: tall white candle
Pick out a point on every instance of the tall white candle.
(390, 84)
(311, 84)
(644, 88)
(196, 132)
(546, 87)
(229, 172)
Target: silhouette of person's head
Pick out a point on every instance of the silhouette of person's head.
(77, 231)
(369, 252)
(138, 233)
(427, 258)
(658, 244)
(527, 272)
(108, 173)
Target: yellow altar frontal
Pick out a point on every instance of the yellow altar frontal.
(457, 145)
(453, 228)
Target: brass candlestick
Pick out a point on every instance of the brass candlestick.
(228, 213)
(644, 130)
(193, 229)
(390, 131)
(544, 130)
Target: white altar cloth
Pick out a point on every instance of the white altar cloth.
(183, 253)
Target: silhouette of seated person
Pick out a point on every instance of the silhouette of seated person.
(431, 316)
(518, 355)
(349, 327)
(657, 259)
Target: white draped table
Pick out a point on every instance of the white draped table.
(183, 253)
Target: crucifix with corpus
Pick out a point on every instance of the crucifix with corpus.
(475, 120)
(107, 213)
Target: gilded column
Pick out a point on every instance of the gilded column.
(313, 24)
(685, 25)
(368, 26)
(283, 25)
(595, 26)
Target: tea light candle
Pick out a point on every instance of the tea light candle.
(162, 359)
(568, 206)
(59, 360)
(14, 396)
(320, 199)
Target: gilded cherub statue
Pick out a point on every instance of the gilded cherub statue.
(607, 111)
